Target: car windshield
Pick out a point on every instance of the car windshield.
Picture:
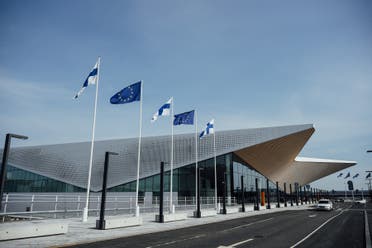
(324, 202)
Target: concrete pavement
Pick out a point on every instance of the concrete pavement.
(275, 229)
(85, 232)
(340, 228)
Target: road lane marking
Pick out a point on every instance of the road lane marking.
(236, 244)
(177, 241)
(312, 216)
(249, 224)
(310, 234)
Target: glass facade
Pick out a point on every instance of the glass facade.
(250, 175)
(19, 180)
(230, 168)
(184, 179)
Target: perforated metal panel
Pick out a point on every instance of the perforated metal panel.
(69, 162)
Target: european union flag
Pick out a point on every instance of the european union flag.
(128, 94)
(186, 118)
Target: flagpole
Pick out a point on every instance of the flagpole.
(171, 209)
(215, 166)
(196, 156)
(85, 210)
(139, 150)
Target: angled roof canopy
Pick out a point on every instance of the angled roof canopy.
(272, 151)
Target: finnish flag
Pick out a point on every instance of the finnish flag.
(163, 111)
(91, 79)
(208, 130)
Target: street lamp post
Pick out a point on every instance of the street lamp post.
(198, 212)
(100, 224)
(8, 138)
(243, 199)
(285, 195)
(161, 200)
(224, 193)
(277, 195)
(268, 193)
(296, 189)
(257, 205)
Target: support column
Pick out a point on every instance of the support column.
(257, 202)
(285, 194)
(291, 194)
(277, 195)
(268, 194)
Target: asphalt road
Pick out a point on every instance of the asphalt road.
(344, 228)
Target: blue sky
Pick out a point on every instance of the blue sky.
(245, 63)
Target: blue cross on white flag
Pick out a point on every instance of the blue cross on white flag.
(163, 111)
(208, 130)
(91, 79)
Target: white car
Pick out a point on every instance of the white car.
(324, 204)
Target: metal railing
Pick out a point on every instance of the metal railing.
(71, 205)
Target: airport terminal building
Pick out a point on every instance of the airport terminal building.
(269, 154)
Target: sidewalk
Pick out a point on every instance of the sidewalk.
(79, 232)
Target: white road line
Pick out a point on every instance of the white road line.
(236, 244)
(176, 241)
(312, 216)
(249, 224)
(309, 235)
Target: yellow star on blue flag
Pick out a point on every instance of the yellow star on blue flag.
(186, 118)
(129, 94)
